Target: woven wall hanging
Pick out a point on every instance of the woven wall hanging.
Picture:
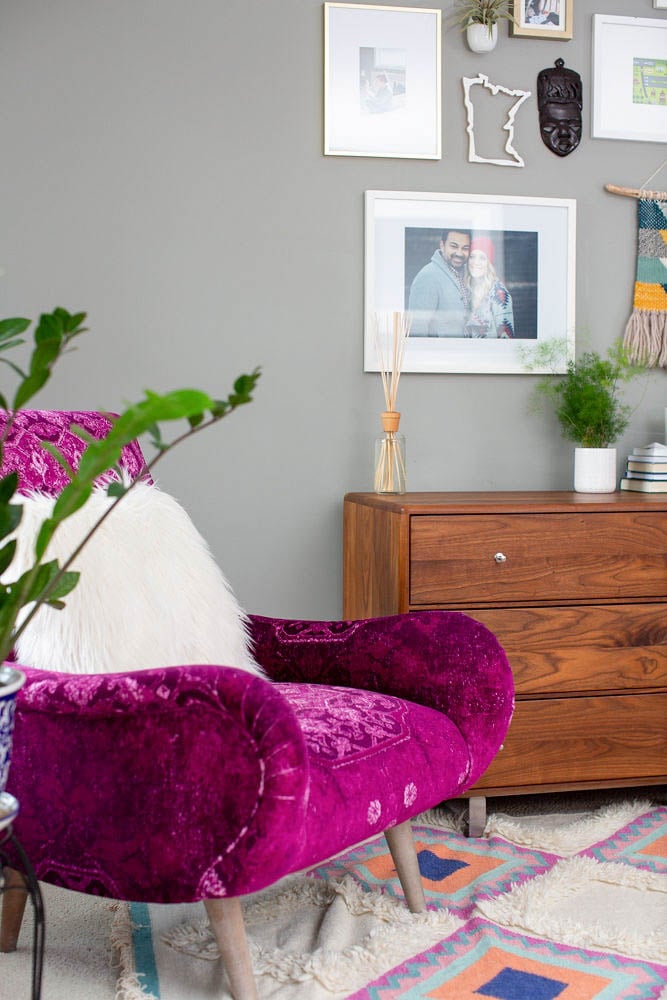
(645, 337)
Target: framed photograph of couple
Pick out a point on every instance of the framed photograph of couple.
(382, 81)
(482, 278)
(543, 19)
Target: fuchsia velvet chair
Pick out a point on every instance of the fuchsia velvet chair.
(206, 783)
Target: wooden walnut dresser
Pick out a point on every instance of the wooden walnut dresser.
(575, 587)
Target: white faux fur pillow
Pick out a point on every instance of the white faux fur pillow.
(150, 593)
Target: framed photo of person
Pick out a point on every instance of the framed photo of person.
(629, 78)
(482, 278)
(382, 81)
(543, 19)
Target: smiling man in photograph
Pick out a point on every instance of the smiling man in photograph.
(439, 299)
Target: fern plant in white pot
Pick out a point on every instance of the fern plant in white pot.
(590, 411)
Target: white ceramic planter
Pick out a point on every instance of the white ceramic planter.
(480, 38)
(11, 680)
(594, 470)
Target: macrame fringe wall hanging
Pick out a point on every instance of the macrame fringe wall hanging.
(645, 337)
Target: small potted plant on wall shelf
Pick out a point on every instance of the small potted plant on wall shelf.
(590, 411)
(479, 19)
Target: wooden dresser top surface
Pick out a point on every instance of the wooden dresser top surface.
(547, 501)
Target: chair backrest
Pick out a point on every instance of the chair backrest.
(37, 469)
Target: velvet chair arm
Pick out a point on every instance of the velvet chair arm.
(187, 770)
(442, 659)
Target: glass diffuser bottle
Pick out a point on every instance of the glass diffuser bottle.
(390, 456)
(391, 333)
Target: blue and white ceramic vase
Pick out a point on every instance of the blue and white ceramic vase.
(11, 681)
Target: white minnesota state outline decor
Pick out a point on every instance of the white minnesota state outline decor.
(515, 159)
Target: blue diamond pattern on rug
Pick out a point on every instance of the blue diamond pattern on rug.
(512, 984)
(435, 868)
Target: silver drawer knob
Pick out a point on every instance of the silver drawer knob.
(500, 557)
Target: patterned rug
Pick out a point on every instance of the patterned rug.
(543, 907)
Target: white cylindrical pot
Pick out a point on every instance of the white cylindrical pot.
(595, 470)
(481, 38)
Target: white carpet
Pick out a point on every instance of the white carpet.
(322, 941)
(80, 962)
(309, 940)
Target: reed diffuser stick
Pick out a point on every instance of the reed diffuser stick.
(391, 333)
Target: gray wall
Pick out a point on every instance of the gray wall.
(162, 168)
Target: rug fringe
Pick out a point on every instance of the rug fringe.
(128, 985)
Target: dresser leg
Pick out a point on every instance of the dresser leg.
(476, 815)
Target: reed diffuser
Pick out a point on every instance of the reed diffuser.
(391, 332)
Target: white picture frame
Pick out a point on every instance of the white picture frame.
(535, 246)
(382, 81)
(628, 52)
(660, 4)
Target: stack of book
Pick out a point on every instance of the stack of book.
(646, 469)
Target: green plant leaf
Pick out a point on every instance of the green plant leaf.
(220, 408)
(49, 327)
(10, 328)
(10, 518)
(7, 553)
(587, 399)
(59, 457)
(44, 535)
(30, 387)
(15, 368)
(8, 345)
(64, 586)
(71, 499)
(8, 486)
(116, 489)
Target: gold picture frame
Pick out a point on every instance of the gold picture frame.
(548, 19)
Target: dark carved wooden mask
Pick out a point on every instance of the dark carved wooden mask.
(559, 99)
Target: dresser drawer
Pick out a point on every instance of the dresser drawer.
(564, 740)
(548, 557)
(582, 649)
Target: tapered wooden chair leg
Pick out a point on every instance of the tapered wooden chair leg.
(13, 902)
(226, 919)
(404, 856)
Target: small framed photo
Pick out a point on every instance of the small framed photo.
(482, 278)
(543, 19)
(629, 78)
(382, 81)
(660, 4)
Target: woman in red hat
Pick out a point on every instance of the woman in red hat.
(491, 313)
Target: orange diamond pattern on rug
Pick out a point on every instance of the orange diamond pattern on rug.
(484, 960)
(454, 869)
(642, 843)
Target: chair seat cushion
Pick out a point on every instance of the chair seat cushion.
(375, 760)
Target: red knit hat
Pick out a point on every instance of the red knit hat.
(484, 244)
